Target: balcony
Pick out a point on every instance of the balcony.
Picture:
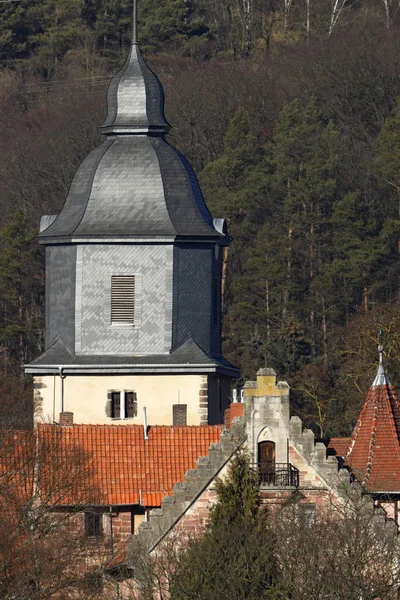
(278, 475)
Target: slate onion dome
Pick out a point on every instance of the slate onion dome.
(134, 185)
(135, 99)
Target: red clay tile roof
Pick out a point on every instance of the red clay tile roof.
(236, 409)
(339, 445)
(115, 465)
(17, 459)
(374, 451)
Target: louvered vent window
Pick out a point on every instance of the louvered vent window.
(123, 299)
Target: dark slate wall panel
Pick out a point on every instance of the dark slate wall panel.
(60, 295)
(194, 273)
(216, 321)
(219, 391)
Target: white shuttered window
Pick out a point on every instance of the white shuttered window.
(123, 299)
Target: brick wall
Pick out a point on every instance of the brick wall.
(122, 525)
(179, 414)
(203, 401)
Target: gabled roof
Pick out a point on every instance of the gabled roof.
(374, 449)
(104, 464)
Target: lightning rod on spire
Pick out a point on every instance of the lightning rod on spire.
(134, 27)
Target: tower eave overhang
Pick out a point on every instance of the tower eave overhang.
(188, 359)
(120, 130)
(135, 239)
(150, 369)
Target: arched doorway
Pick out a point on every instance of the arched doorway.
(266, 462)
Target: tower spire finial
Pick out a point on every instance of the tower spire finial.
(381, 377)
(134, 24)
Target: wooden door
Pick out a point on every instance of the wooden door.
(266, 462)
(266, 452)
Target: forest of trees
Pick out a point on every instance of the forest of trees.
(288, 111)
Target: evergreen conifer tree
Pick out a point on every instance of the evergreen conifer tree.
(21, 291)
(235, 556)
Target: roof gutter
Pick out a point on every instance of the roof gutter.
(127, 369)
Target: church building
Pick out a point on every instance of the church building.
(133, 278)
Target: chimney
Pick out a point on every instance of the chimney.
(66, 419)
(179, 414)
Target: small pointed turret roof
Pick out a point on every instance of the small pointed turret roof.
(374, 450)
(135, 99)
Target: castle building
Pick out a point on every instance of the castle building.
(133, 278)
(292, 465)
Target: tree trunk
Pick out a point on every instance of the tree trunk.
(267, 309)
(312, 295)
(286, 293)
(365, 297)
(324, 334)
(287, 6)
(247, 14)
(307, 20)
(387, 13)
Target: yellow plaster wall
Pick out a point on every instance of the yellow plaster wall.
(86, 397)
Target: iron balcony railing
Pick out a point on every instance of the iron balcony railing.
(278, 474)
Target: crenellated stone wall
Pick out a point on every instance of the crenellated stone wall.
(189, 504)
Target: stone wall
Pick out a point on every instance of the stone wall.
(267, 414)
(187, 509)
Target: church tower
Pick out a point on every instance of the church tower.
(133, 278)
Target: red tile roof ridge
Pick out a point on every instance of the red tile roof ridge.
(122, 426)
(372, 443)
